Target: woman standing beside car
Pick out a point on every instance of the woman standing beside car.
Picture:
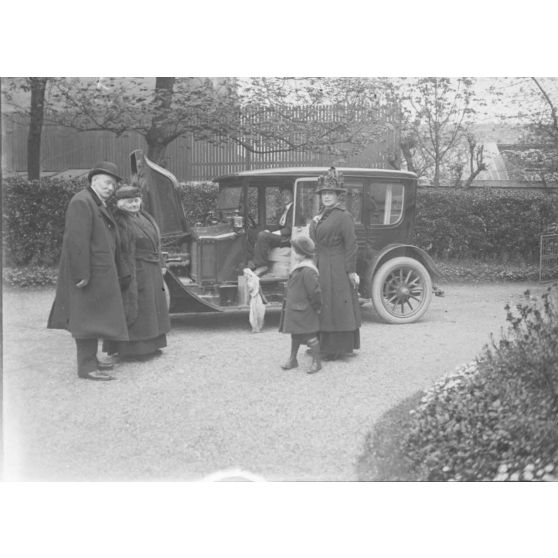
(333, 231)
(143, 288)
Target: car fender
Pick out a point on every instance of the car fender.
(378, 258)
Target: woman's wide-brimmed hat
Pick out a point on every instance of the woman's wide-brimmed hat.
(126, 192)
(304, 245)
(105, 167)
(331, 180)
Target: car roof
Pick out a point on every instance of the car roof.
(317, 171)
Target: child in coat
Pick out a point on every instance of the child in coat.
(302, 305)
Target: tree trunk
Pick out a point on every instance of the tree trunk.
(36, 113)
(472, 177)
(407, 153)
(156, 152)
(157, 137)
(436, 181)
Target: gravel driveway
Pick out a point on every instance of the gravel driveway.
(217, 398)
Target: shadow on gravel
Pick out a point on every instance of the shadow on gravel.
(212, 322)
(239, 320)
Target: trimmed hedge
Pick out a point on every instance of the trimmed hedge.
(33, 219)
(494, 419)
(34, 214)
(484, 224)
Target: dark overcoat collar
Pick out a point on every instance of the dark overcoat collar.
(102, 207)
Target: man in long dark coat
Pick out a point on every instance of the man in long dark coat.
(88, 299)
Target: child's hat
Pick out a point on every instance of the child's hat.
(304, 245)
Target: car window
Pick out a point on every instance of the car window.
(273, 205)
(353, 199)
(253, 203)
(307, 202)
(229, 197)
(383, 203)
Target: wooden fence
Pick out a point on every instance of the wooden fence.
(186, 158)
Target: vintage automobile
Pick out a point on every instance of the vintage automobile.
(204, 261)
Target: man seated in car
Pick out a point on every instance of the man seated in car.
(279, 236)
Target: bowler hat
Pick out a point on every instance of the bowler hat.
(105, 167)
(304, 245)
(127, 192)
(331, 180)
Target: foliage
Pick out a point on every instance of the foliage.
(474, 271)
(34, 213)
(435, 118)
(493, 419)
(483, 224)
(33, 219)
(534, 105)
(479, 225)
(34, 112)
(29, 276)
(198, 200)
(498, 415)
(337, 116)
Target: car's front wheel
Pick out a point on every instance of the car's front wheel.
(401, 290)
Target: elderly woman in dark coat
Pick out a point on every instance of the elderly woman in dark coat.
(333, 231)
(143, 289)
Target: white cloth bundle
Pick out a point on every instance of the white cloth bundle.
(257, 306)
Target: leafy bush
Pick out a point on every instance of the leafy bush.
(29, 276)
(484, 224)
(497, 418)
(198, 199)
(34, 214)
(33, 219)
(469, 270)
(489, 225)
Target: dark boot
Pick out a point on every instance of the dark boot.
(292, 362)
(316, 366)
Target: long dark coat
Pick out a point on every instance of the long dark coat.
(144, 295)
(89, 252)
(336, 246)
(302, 303)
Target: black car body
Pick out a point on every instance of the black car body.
(205, 261)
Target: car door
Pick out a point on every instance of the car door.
(306, 205)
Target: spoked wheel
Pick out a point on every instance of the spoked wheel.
(401, 290)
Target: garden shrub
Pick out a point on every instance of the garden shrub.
(484, 224)
(29, 276)
(489, 225)
(33, 219)
(496, 418)
(198, 199)
(34, 214)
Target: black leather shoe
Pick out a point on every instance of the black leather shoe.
(98, 376)
(290, 364)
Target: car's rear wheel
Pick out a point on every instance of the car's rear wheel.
(401, 290)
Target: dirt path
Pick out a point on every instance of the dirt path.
(217, 398)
